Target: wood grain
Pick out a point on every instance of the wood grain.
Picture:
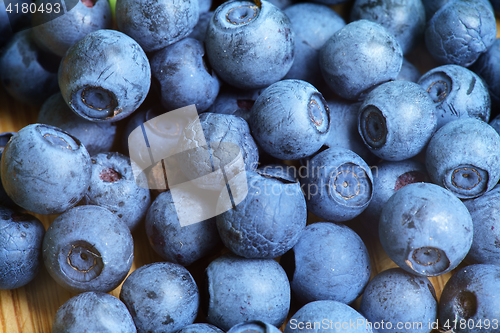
(32, 308)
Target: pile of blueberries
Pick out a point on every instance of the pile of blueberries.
(338, 139)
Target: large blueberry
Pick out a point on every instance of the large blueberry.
(181, 244)
(391, 134)
(425, 229)
(358, 57)
(290, 120)
(463, 156)
(45, 170)
(242, 289)
(344, 129)
(269, 221)
(58, 29)
(114, 187)
(216, 142)
(105, 76)
(21, 238)
(88, 248)
(250, 44)
(484, 210)
(460, 31)
(488, 67)
(457, 93)
(313, 24)
(402, 301)
(389, 177)
(93, 312)
(327, 316)
(162, 297)
(329, 262)
(470, 299)
(96, 137)
(28, 74)
(337, 184)
(404, 19)
(183, 76)
(157, 24)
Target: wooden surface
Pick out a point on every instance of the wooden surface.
(32, 308)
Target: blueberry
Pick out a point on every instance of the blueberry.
(327, 316)
(227, 137)
(45, 170)
(485, 247)
(105, 76)
(358, 57)
(242, 289)
(93, 312)
(88, 248)
(174, 242)
(290, 120)
(28, 74)
(200, 328)
(183, 75)
(5, 200)
(269, 221)
(21, 238)
(313, 24)
(157, 24)
(114, 187)
(471, 296)
(254, 326)
(389, 177)
(425, 229)
(329, 262)
(162, 297)
(403, 301)
(463, 156)
(96, 137)
(344, 129)
(460, 31)
(250, 44)
(57, 33)
(391, 134)
(408, 72)
(337, 185)
(404, 19)
(488, 67)
(457, 93)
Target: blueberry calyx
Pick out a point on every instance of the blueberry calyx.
(465, 304)
(350, 184)
(243, 14)
(373, 127)
(58, 138)
(109, 175)
(95, 102)
(428, 260)
(318, 112)
(467, 180)
(81, 261)
(438, 91)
